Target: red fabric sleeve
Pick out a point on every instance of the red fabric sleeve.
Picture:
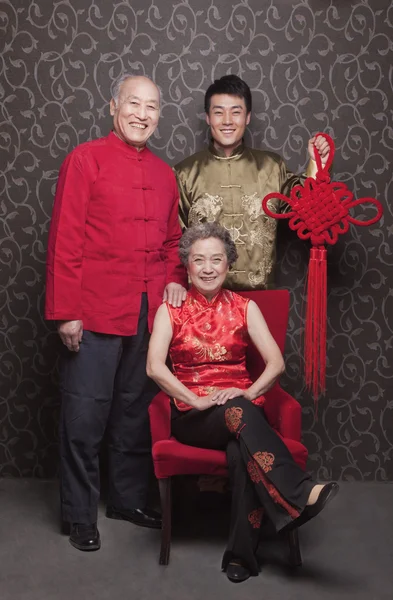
(175, 272)
(66, 237)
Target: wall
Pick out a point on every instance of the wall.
(312, 65)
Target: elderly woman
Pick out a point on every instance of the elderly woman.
(215, 403)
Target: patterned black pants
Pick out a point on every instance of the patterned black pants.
(264, 477)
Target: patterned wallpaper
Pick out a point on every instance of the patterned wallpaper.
(312, 65)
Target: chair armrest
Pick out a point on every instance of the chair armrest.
(284, 413)
(160, 417)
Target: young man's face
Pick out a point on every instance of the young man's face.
(228, 119)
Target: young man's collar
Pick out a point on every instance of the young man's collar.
(219, 152)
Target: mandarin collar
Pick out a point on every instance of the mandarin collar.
(114, 140)
(220, 154)
(202, 299)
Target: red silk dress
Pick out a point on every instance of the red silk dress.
(209, 343)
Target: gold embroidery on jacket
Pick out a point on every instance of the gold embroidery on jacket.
(231, 194)
(261, 272)
(205, 208)
(235, 234)
(252, 205)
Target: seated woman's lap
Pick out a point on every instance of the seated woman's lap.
(209, 428)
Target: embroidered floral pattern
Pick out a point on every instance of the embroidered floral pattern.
(258, 476)
(233, 418)
(254, 472)
(195, 376)
(200, 353)
(213, 352)
(265, 460)
(255, 517)
(209, 389)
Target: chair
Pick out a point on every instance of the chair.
(283, 412)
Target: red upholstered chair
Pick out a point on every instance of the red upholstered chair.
(283, 412)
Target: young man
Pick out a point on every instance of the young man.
(227, 181)
(112, 259)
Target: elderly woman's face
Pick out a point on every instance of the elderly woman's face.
(208, 265)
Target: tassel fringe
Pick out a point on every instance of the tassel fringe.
(315, 328)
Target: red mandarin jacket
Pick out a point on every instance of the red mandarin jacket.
(114, 234)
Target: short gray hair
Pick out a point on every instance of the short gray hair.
(117, 83)
(203, 231)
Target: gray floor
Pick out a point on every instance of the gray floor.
(347, 553)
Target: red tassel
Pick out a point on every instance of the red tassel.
(315, 329)
(320, 212)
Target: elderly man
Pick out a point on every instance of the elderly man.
(112, 260)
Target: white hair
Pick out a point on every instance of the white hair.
(118, 82)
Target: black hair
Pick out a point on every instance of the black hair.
(231, 85)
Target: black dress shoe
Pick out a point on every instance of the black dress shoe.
(85, 537)
(237, 573)
(144, 518)
(328, 492)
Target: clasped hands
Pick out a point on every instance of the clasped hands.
(220, 397)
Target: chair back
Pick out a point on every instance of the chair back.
(274, 305)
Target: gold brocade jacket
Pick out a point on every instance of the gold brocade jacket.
(229, 190)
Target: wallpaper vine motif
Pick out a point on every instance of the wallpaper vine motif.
(312, 65)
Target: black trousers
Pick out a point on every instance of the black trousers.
(265, 480)
(105, 390)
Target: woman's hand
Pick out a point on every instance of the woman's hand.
(219, 398)
(222, 396)
(204, 402)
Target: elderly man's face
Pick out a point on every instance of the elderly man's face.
(208, 266)
(136, 113)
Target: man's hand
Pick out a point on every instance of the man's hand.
(320, 145)
(71, 333)
(174, 294)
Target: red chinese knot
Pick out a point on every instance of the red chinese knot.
(319, 212)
